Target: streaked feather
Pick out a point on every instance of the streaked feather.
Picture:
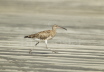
(43, 35)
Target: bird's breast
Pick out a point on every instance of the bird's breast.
(37, 39)
(50, 37)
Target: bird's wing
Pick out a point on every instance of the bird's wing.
(43, 34)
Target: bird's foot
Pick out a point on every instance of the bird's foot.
(30, 52)
(54, 52)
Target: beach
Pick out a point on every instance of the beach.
(79, 49)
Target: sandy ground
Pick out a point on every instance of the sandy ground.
(80, 48)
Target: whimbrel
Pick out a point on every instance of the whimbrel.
(44, 35)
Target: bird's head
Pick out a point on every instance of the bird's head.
(56, 26)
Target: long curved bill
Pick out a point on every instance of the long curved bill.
(63, 28)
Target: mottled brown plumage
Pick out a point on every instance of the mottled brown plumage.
(45, 35)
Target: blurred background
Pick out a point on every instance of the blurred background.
(52, 6)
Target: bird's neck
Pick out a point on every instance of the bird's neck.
(54, 29)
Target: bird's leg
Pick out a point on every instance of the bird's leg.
(36, 43)
(46, 43)
(49, 48)
(30, 52)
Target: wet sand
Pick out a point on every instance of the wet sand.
(80, 48)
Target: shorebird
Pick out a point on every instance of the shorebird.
(44, 35)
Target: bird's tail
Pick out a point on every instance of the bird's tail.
(30, 36)
(27, 36)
